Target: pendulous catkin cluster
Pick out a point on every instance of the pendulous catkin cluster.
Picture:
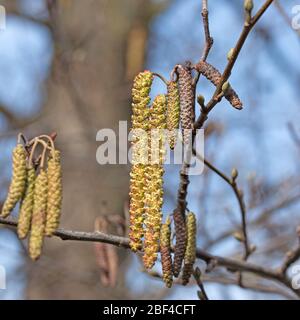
(173, 112)
(181, 237)
(54, 199)
(40, 195)
(154, 181)
(165, 252)
(213, 75)
(26, 208)
(38, 215)
(18, 181)
(190, 251)
(140, 109)
(187, 101)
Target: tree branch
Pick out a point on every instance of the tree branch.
(123, 242)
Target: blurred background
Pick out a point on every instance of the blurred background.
(67, 66)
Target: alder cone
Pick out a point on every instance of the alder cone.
(214, 76)
(18, 181)
(180, 245)
(187, 101)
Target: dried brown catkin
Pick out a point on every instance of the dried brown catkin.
(54, 200)
(173, 112)
(180, 245)
(214, 76)
(165, 252)
(38, 215)
(18, 181)
(190, 252)
(26, 208)
(140, 113)
(187, 101)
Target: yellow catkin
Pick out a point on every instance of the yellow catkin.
(38, 215)
(26, 208)
(54, 200)
(140, 113)
(18, 181)
(173, 113)
(154, 185)
(190, 252)
(165, 252)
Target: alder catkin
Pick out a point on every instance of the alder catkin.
(187, 101)
(140, 113)
(173, 112)
(190, 252)
(26, 207)
(165, 252)
(154, 181)
(180, 245)
(38, 215)
(54, 200)
(18, 181)
(214, 76)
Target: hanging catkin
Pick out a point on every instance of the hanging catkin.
(190, 252)
(173, 112)
(140, 109)
(165, 252)
(154, 181)
(54, 200)
(187, 101)
(26, 208)
(38, 215)
(180, 245)
(18, 181)
(214, 76)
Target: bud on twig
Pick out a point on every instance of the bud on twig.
(234, 174)
(225, 87)
(230, 54)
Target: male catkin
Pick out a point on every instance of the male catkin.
(18, 181)
(154, 181)
(214, 76)
(187, 101)
(190, 252)
(140, 113)
(180, 245)
(165, 252)
(26, 208)
(173, 112)
(38, 215)
(54, 200)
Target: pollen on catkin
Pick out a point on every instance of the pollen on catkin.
(180, 245)
(54, 200)
(154, 181)
(18, 181)
(173, 112)
(214, 76)
(26, 207)
(190, 252)
(140, 114)
(165, 252)
(38, 215)
(187, 101)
